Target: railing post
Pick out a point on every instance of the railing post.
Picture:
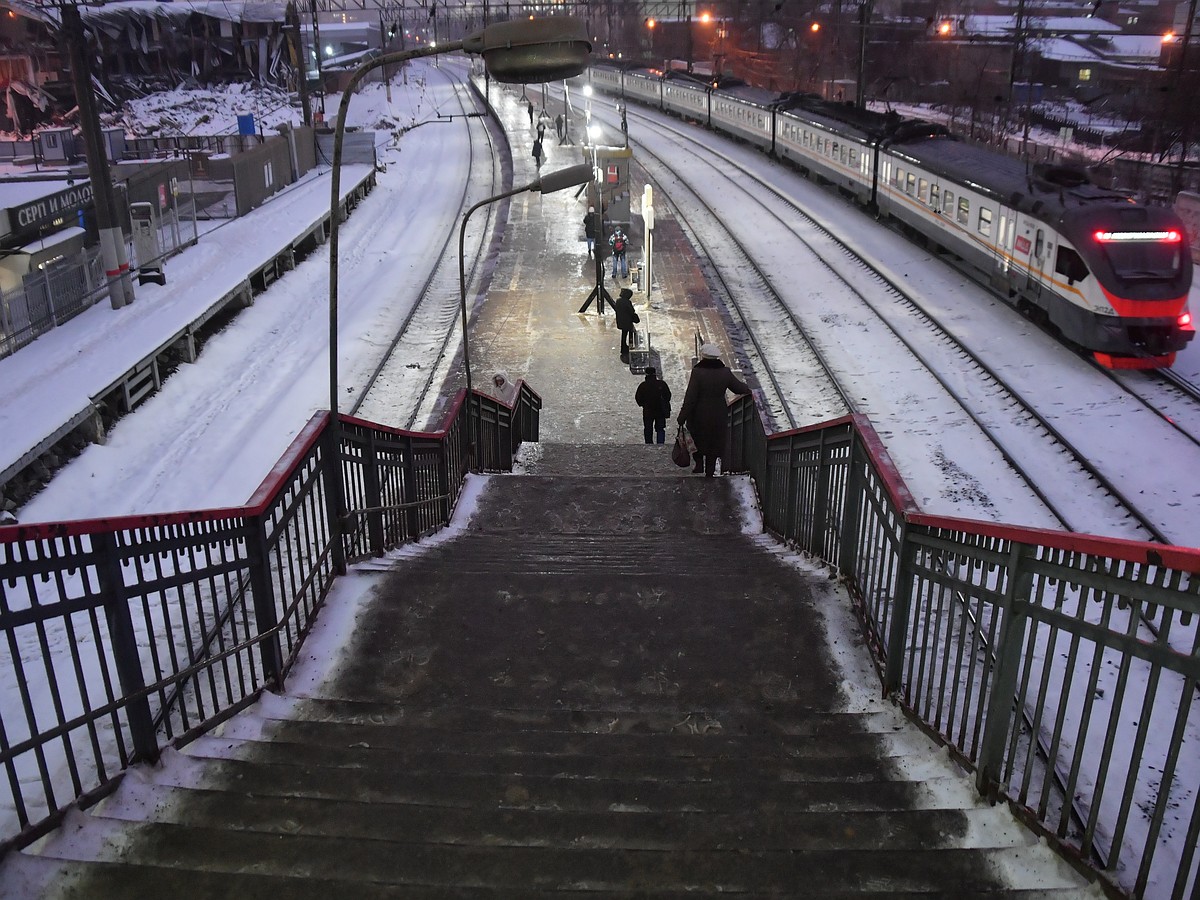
(124, 645)
(852, 514)
(269, 650)
(821, 500)
(1009, 648)
(410, 490)
(334, 493)
(791, 527)
(374, 498)
(897, 638)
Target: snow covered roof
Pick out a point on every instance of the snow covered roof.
(229, 10)
(1006, 26)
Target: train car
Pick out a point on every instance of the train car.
(745, 112)
(1110, 274)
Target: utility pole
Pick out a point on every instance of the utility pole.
(864, 19)
(112, 240)
(296, 42)
(316, 29)
(1185, 133)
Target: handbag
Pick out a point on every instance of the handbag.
(680, 454)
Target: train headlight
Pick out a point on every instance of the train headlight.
(1185, 320)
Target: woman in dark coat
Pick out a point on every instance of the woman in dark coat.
(704, 410)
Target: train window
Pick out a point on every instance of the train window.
(964, 211)
(910, 183)
(947, 202)
(833, 149)
(934, 199)
(1144, 260)
(985, 221)
(1070, 264)
(1039, 244)
(923, 190)
(899, 179)
(853, 157)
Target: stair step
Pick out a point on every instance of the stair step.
(371, 860)
(629, 720)
(417, 740)
(923, 788)
(478, 761)
(81, 880)
(750, 829)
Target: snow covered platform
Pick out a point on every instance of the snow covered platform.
(111, 360)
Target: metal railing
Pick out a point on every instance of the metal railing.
(49, 297)
(1061, 667)
(121, 636)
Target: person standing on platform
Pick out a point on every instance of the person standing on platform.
(654, 397)
(589, 229)
(558, 126)
(618, 243)
(626, 319)
(537, 152)
(704, 410)
(529, 108)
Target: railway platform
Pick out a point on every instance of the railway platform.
(604, 679)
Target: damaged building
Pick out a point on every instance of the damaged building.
(138, 46)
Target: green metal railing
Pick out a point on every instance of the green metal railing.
(1062, 667)
(121, 636)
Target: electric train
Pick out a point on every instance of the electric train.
(1110, 274)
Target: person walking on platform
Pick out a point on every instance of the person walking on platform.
(704, 410)
(541, 130)
(626, 319)
(529, 108)
(537, 152)
(558, 126)
(618, 243)
(589, 229)
(654, 397)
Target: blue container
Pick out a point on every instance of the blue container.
(246, 125)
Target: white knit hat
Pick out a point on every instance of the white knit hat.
(710, 351)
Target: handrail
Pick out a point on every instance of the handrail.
(997, 637)
(120, 636)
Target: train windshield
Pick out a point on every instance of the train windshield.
(1143, 255)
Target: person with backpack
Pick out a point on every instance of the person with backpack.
(537, 152)
(618, 243)
(654, 397)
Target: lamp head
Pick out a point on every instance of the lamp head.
(527, 51)
(564, 178)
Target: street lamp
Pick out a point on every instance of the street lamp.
(548, 184)
(522, 52)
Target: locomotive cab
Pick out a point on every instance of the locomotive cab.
(1139, 261)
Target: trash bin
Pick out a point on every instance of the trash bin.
(145, 243)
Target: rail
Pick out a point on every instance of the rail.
(123, 636)
(1002, 640)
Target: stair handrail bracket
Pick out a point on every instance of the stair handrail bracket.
(122, 636)
(1062, 668)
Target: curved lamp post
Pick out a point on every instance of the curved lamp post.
(523, 51)
(547, 184)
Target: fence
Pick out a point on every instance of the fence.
(1063, 668)
(48, 297)
(123, 635)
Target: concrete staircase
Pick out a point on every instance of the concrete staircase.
(602, 687)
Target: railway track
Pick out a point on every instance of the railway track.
(1029, 441)
(405, 389)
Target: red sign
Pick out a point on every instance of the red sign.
(1023, 245)
(612, 174)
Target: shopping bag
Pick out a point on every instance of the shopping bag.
(680, 454)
